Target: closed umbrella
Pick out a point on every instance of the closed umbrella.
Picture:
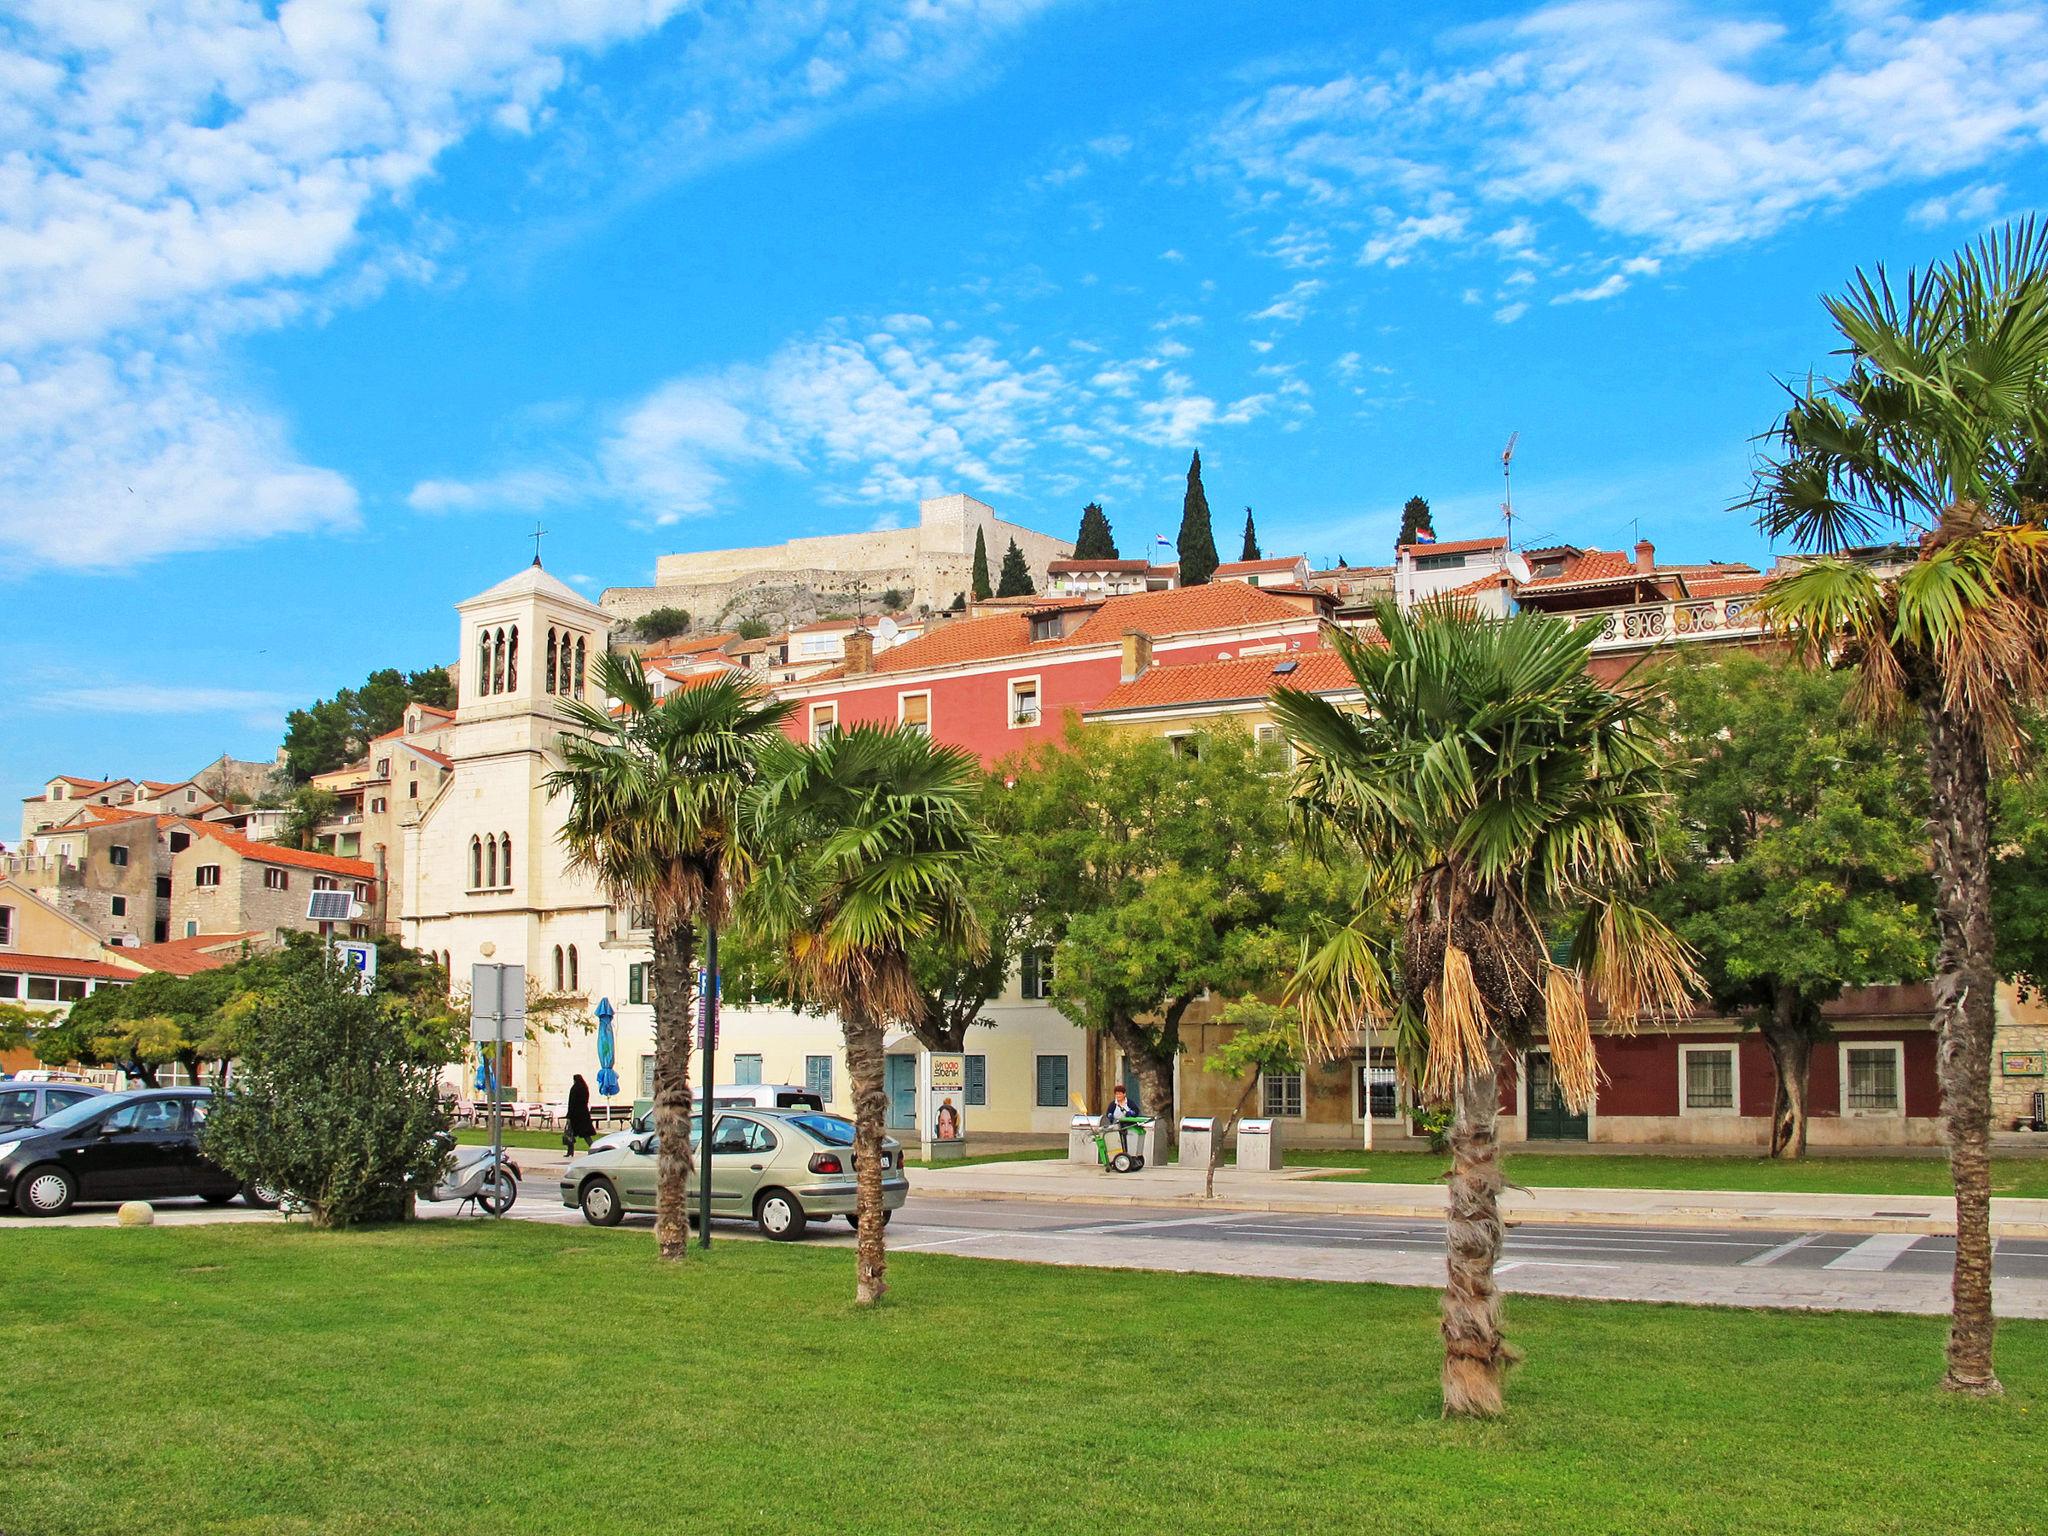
(607, 1050)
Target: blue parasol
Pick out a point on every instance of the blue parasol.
(607, 1050)
(486, 1079)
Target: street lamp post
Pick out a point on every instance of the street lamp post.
(710, 1027)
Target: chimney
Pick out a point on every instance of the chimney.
(1646, 555)
(860, 653)
(1137, 653)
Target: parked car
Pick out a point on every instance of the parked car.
(782, 1169)
(726, 1096)
(116, 1146)
(25, 1101)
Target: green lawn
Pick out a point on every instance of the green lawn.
(1816, 1175)
(459, 1377)
(1028, 1155)
(473, 1136)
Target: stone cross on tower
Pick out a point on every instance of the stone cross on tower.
(538, 533)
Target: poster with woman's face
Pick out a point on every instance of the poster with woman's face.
(947, 1126)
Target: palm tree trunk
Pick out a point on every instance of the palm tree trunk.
(1475, 1354)
(1791, 1048)
(1965, 979)
(870, 1108)
(674, 979)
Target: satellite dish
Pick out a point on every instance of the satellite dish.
(886, 631)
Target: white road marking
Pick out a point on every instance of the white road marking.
(1874, 1253)
(1502, 1269)
(1773, 1255)
(1216, 1219)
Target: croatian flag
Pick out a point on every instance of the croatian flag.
(1162, 541)
(1424, 536)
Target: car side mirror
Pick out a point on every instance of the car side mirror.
(638, 1144)
(109, 1132)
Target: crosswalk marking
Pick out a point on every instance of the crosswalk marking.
(1874, 1253)
(1771, 1256)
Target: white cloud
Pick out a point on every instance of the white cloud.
(1608, 287)
(1291, 306)
(1670, 129)
(1974, 205)
(1508, 314)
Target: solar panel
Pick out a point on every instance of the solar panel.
(330, 907)
(1282, 668)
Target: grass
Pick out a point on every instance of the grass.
(459, 1377)
(474, 1136)
(1025, 1155)
(2026, 1177)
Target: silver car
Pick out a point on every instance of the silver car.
(779, 1168)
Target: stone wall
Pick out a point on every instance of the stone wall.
(2022, 1026)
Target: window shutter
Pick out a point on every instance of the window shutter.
(977, 1080)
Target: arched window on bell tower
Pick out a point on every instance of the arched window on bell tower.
(512, 663)
(490, 862)
(579, 667)
(476, 863)
(551, 659)
(505, 858)
(483, 663)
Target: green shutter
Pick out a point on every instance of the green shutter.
(977, 1080)
(1052, 1082)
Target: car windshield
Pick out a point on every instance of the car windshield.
(829, 1129)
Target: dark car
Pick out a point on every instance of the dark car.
(115, 1146)
(24, 1102)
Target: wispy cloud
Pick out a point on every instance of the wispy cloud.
(166, 699)
(1978, 204)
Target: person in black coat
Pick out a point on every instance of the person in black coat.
(578, 1122)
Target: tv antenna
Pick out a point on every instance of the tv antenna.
(1507, 482)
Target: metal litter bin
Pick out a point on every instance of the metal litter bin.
(1258, 1145)
(1197, 1136)
(1081, 1140)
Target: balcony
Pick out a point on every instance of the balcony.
(1644, 625)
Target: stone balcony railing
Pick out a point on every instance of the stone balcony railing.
(1650, 624)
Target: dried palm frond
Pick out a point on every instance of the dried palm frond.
(1461, 1041)
(1570, 1036)
(1638, 966)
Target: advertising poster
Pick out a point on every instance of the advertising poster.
(948, 1098)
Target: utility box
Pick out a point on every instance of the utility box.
(1197, 1136)
(1258, 1145)
(1081, 1140)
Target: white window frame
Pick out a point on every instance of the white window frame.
(825, 714)
(1036, 683)
(1734, 1054)
(1300, 1112)
(915, 693)
(1898, 1050)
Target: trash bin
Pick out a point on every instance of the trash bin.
(1197, 1135)
(1258, 1145)
(1081, 1140)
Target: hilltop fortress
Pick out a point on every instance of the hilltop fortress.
(787, 584)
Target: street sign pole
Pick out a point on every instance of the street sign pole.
(497, 1067)
(710, 1016)
(497, 997)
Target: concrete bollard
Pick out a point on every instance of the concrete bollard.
(136, 1213)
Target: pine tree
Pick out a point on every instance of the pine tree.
(1197, 541)
(982, 589)
(1016, 578)
(1414, 518)
(1251, 539)
(1094, 541)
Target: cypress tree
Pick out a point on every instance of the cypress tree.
(1414, 518)
(1094, 541)
(1016, 579)
(982, 589)
(1251, 538)
(1197, 541)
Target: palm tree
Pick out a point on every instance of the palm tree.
(1937, 431)
(654, 789)
(1498, 800)
(868, 839)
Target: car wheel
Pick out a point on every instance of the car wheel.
(261, 1196)
(601, 1204)
(854, 1221)
(45, 1191)
(780, 1215)
(219, 1197)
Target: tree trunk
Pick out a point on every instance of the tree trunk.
(1154, 1067)
(1216, 1137)
(1791, 1046)
(1475, 1354)
(674, 979)
(1965, 978)
(864, 1063)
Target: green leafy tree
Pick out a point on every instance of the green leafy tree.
(654, 793)
(1016, 578)
(869, 836)
(310, 806)
(1414, 518)
(1800, 865)
(1197, 542)
(661, 624)
(1494, 794)
(1266, 1039)
(753, 629)
(1935, 431)
(983, 588)
(334, 1102)
(2019, 871)
(1251, 539)
(893, 599)
(17, 1027)
(1094, 541)
(332, 733)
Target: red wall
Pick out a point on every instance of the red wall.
(1642, 1071)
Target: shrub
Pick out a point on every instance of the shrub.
(661, 624)
(336, 1100)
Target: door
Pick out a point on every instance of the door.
(1549, 1118)
(137, 1154)
(18, 1108)
(901, 1078)
(204, 1177)
(740, 1151)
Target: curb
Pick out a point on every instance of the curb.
(1705, 1217)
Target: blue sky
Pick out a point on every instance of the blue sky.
(309, 311)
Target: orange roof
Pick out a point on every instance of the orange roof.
(164, 784)
(1258, 567)
(121, 813)
(1067, 567)
(1455, 546)
(681, 646)
(1490, 582)
(1726, 586)
(1224, 682)
(273, 853)
(429, 752)
(61, 965)
(435, 709)
(1594, 567)
(188, 957)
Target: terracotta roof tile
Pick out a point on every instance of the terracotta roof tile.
(1592, 568)
(188, 957)
(1726, 586)
(1225, 682)
(1067, 567)
(296, 858)
(1456, 546)
(1258, 567)
(61, 965)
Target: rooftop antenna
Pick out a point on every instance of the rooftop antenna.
(1507, 482)
(538, 533)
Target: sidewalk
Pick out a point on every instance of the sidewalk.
(1301, 1190)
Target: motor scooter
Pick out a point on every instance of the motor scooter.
(483, 1175)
